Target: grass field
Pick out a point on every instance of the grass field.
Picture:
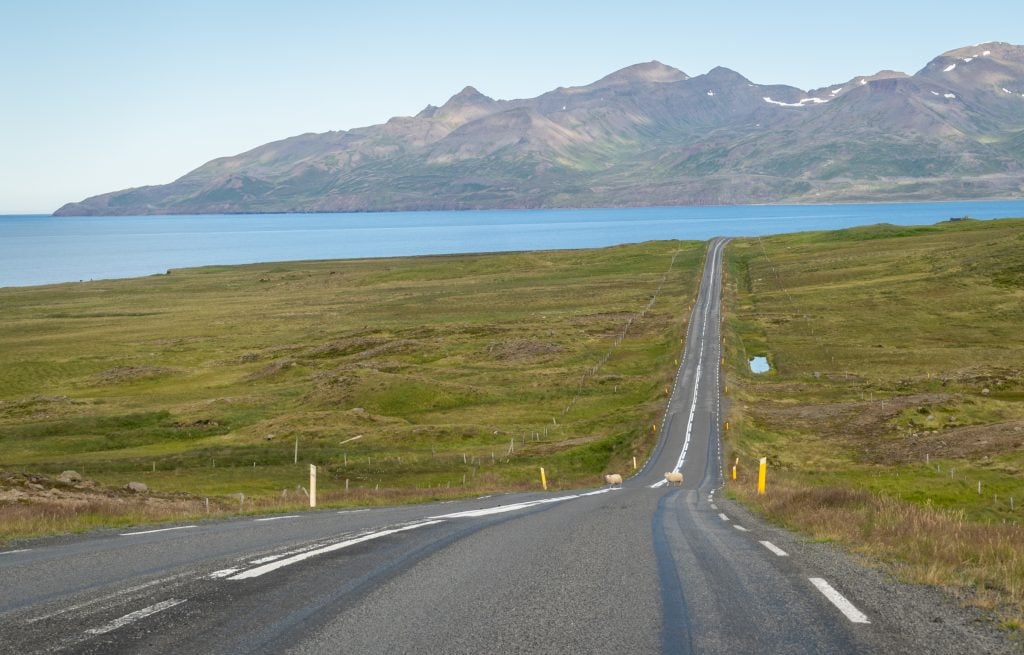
(893, 414)
(395, 376)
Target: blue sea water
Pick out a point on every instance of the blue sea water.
(37, 249)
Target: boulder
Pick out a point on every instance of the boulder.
(70, 477)
(137, 487)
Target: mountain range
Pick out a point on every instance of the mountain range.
(645, 135)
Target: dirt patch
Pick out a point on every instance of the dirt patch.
(40, 407)
(271, 369)
(123, 374)
(552, 447)
(968, 442)
(523, 349)
(869, 429)
(198, 424)
(34, 489)
(851, 421)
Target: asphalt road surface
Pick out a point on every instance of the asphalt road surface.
(647, 568)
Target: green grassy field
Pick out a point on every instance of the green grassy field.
(467, 371)
(896, 388)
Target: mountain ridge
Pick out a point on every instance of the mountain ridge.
(647, 134)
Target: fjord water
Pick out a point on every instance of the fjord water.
(38, 249)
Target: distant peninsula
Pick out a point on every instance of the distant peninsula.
(647, 135)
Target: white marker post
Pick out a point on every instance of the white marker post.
(312, 485)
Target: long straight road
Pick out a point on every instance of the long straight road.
(647, 568)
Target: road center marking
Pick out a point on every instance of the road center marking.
(180, 527)
(715, 254)
(740, 528)
(275, 518)
(134, 616)
(775, 549)
(837, 599)
(723, 517)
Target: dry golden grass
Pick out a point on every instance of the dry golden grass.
(984, 563)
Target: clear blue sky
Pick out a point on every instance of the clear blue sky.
(97, 96)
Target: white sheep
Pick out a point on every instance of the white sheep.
(674, 477)
(614, 479)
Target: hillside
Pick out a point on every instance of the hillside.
(645, 135)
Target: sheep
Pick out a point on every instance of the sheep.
(614, 479)
(674, 477)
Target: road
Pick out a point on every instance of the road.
(648, 568)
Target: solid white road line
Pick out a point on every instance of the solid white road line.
(180, 527)
(837, 599)
(723, 517)
(501, 509)
(740, 528)
(352, 511)
(135, 616)
(223, 573)
(273, 566)
(275, 518)
(11, 552)
(775, 549)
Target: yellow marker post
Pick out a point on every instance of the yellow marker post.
(761, 473)
(543, 479)
(727, 425)
(312, 485)
(734, 472)
(634, 463)
(654, 427)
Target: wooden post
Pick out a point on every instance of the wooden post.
(761, 474)
(312, 485)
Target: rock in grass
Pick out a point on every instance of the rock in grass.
(70, 477)
(137, 488)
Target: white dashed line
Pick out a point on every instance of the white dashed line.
(11, 552)
(223, 573)
(714, 507)
(134, 616)
(180, 527)
(723, 517)
(837, 599)
(775, 549)
(352, 511)
(275, 518)
(740, 528)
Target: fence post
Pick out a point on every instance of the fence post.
(312, 485)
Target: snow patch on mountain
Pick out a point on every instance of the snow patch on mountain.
(802, 103)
